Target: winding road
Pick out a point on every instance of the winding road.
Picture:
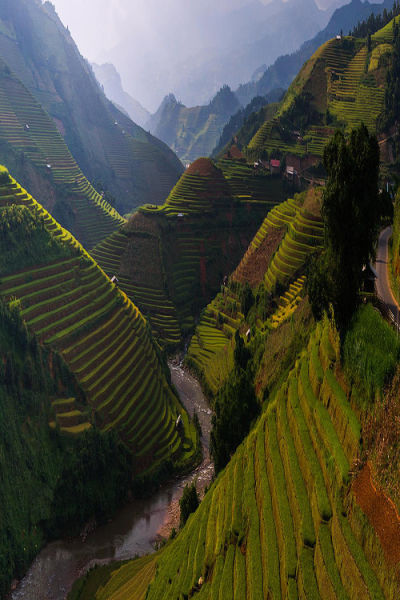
(383, 287)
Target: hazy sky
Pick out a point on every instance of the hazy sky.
(98, 25)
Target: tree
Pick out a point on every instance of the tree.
(352, 210)
(189, 502)
(236, 407)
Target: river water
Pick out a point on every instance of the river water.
(134, 529)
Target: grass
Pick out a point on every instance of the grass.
(371, 351)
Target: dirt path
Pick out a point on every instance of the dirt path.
(382, 268)
(381, 513)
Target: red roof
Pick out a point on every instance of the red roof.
(276, 163)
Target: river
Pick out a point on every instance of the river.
(135, 528)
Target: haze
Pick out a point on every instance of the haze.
(176, 46)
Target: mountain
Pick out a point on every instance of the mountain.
(194, 240)
(193, 51)
(285, 68)
(108, 76)
(193, 132)
(40, 52)
(254, 114)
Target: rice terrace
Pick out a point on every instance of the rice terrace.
(199, 300)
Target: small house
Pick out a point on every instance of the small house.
(27, 127)
(275, 166)
(248, 335)
(181, 215)
(114, 279)
(179, 422)
(48, 166)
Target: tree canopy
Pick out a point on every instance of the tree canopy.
(352, 211)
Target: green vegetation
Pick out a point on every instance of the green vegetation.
(371, 351)
(235, 409)
(71, 479)
(70, 304)
(189, 502)
(352, 210)
(274, 522)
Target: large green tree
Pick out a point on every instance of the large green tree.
(352, 212)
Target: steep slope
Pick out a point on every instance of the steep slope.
(40, 51)
(341, 85)
(281, 520)
(193, 132)
(108, 76)
(31, 143)
(285, 69)
(70, 305)
(194, 240)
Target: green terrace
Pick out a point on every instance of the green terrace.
(275, 523)
(210, 352)
(353, 95)
(152, 301)
(71, 305)
(304, 235)
(26, 126)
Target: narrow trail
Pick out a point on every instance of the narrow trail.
(383, 286)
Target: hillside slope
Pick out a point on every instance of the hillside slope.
(193, 132)
(194, 240)
(71, 306)
(282, 519)
(342, 85)
(40, 51)
(32, 145)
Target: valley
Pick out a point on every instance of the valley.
(200, 363)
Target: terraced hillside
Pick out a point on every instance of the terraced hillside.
(275, 256)
(304, 236)
(342, 84)
(194, 240)
(31, 141)
(71, 306)
(112, 151)
(280, 521)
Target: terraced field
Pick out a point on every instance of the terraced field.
(338, 78)
(275, 523)
(113, 254)
(304, 235)
(210, 353)
(72, 306)
(29, 130)
(194, 240)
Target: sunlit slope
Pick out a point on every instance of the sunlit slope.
(31, 136)
(276, 523)
(72, 306)
(171, 259)
(342, 84)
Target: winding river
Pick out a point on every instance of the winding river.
(135, 528)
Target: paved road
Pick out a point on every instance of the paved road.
(382, 283)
